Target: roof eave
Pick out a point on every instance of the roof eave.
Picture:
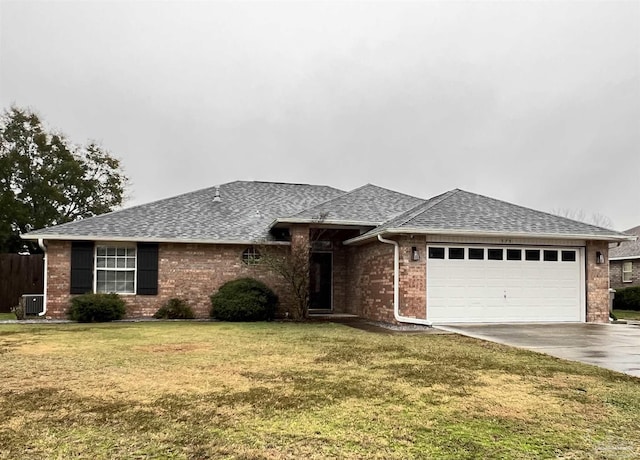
(471, 233)
(625, 258)
(351, 223)
(150, 239)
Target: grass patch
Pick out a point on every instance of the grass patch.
(7, 316)
(279, 390)
(627, 314)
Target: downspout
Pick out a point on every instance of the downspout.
(396, 287)
(44, 296)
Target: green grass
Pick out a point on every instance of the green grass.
(627, 314)
(7, 316)
(283, 390)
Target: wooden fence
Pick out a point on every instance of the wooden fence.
(19, 275)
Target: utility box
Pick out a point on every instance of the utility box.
(33, 304)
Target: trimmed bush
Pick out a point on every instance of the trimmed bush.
(627, 299)
(244, 299)
(175, 309)
(96, 308)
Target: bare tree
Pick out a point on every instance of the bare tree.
(580, 215)
(292, 266)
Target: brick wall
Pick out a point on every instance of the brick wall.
(597, 277)
(413, 279)
(58, 274)
(370, 281)
(189, 271)
(615, 274)
(340, 284)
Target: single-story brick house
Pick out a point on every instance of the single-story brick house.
(381, 254)
(624, 262)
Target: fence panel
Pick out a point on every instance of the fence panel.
(19, 275)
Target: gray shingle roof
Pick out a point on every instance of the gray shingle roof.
(244, 213)
(369, 205)
(247, 209)
(627, 249)
(461, 211)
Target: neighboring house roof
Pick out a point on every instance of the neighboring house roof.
(368, 205)
(246, 211)
(627, 249)
(458, 211)
(243, 214)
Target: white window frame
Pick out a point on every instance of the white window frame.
(250, 256)
(627, 274)
(112, 269)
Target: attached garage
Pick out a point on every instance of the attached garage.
(487, 283)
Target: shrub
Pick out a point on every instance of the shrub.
(627, 299)
(244, 299)
(18, 310)
(175, 309)
(97, 308)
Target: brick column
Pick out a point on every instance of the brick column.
(58, 274)
(597, 276)
(413, 279)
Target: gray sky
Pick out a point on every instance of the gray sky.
(537, 103)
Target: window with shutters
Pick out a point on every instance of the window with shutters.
(115, 268)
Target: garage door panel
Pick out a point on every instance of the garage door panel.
(464, 290)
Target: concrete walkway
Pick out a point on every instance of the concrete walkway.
(611, 346)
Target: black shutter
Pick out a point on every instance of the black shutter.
(147, 270)
(81, 267)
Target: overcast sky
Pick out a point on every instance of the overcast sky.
(536, 103)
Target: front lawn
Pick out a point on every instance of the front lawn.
(627, 314)
(282, 390)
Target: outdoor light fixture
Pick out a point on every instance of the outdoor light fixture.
(24, 251)
(599, 257)
(415, 254)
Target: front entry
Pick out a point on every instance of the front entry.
(321, 281)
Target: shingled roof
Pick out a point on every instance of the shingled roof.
(368, 205)
(627, 249)
(243, 214)
(246, 211)
(458, 211)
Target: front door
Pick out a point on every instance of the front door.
(320, 281)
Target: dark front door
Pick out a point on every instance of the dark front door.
(320, 280)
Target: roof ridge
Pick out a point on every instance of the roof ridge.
(350, 192)
(428, 204)
(391, 190)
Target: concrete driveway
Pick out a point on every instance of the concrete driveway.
(612, 346)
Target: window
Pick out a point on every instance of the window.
(436, 253)
(495, 254)
(532, 254)
(116, 269)
(476, 253)
(550, 256)
(568, 256)
(456, 253)
(627, 269)
(514, 254)
(251, 256)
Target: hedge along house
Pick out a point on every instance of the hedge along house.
(375, 253)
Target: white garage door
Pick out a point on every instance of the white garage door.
(504, 284)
